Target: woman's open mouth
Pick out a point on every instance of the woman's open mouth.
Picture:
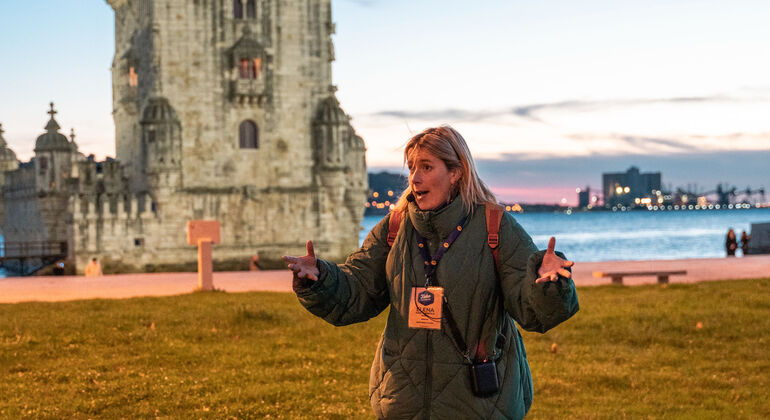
(420, 194)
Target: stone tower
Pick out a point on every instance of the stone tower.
(8, 162)
(225, 109)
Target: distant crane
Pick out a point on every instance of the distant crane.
(725, 195)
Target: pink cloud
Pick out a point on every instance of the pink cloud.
(538, 195)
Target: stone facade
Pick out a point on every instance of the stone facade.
(224, 110)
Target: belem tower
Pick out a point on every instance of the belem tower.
(224, 110)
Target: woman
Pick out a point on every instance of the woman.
(431, 372)
(745, 238)
(731, 244)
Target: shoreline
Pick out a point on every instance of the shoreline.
(123, 286)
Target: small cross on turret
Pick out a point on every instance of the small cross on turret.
(1, 130)
(52, 112)
(72, 135)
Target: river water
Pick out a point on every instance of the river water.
(633, 235)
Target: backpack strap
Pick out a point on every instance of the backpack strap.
(393, 224)
(494, 214)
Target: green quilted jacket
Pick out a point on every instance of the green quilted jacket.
(418, 373)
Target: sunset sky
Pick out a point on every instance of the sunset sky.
(549, 94)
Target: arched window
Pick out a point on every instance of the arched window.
(248, 135)
(238, 9)
(251, 9)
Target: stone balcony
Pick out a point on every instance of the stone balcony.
(248, 91)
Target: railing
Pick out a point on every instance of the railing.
(15, 250)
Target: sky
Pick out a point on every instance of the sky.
(548, 94)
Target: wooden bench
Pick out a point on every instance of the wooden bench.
(617, 276)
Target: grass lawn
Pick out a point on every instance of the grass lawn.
(682, 351)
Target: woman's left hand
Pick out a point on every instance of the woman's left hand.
(553, 266)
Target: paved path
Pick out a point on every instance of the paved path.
(59, 288)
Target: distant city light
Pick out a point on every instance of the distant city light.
(626, 190)
(375, 194)
(577, 190)
(619, 190)
(390, 193)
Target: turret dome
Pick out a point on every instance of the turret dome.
(52, 139)
(6, 154)
(158, 110)
(330, 112)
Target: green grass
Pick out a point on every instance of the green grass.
(630, 352)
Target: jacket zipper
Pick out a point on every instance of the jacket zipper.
(428, 373)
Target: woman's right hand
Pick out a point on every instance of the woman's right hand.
(303, 267)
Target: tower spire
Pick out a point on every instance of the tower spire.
(52, 125)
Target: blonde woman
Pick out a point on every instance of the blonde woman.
(450, 348)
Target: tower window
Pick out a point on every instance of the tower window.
(133, 78)
(150, 136)
(238, 9)
(248, 135)
(43, 163)
(249, 68)
(251, 10)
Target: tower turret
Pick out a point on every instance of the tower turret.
(331, 133)
(8, 159)
(53, 156)
(161, 146)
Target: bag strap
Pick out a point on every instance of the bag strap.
(494, 214)
(393, 224)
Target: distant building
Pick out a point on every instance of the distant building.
(630, 188)
(584, 197)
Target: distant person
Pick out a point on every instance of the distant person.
(93, 268)
(731, 244)
(745, 238)
(254, 263)
(450, 348)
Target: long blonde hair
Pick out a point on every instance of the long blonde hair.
(447, 144)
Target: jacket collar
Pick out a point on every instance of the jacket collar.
(437, 224)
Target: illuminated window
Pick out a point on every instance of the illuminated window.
(248, 135)
(249, 68)
(251, 10)
(257, 67)
(238, 9)
(133, 78)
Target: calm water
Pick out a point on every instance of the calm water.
(635, 235)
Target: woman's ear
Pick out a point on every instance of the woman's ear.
(454, 176)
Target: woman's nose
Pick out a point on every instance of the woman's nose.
(416, 177)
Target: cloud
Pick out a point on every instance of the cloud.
(532, 111)
(674, 144)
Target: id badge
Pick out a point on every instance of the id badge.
(425, 307)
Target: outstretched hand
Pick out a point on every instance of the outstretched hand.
(553, 266)
(303, 267)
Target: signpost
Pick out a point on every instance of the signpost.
(204, 233)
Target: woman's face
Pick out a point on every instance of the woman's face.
(430, 179)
